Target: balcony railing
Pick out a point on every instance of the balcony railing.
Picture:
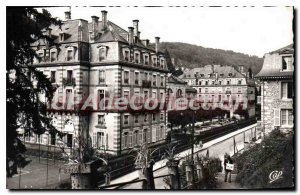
(146, 84)
(69, 81)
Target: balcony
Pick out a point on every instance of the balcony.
(146, 84)
(69, 81)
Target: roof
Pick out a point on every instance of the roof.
(71, 28)
(190, 89)
(176, 80)
(204, 72)
(272, 67)
(286, 49)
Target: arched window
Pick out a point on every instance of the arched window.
(179, 93)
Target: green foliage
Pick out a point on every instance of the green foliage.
(24, 110)
(192, 56)
(275, 153)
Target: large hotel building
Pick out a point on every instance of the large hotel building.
(102, 60)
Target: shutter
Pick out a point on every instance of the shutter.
(122, 141)
(153, 134)
(148, 136)
(290, 90)
(130, 139)
(140, 138)
(94, 140)
(134, 138)
(276, 117)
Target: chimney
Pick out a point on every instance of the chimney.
(138, 34)
(136, 27)
(130, 35)
(156, 43)
(104, 19)
(68, 15)
(146, 42)
(94, 27)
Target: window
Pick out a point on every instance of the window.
(206, 90)
(230, 74)
(126, 119)
(136, 118)
(126, 140)
(146, 59)
(135, 139)
(228, 82)
(69, 140)
(145, 135)
(145, 95)
(41, 57)
(126, 95)
(287, 90)
(69, 76)
(137, 58)
(161, 116)
(287, 63)
(145, 117)
(239, 82)
(126, 77)
(154, 80)
(153, 117)
(53, 56)
(213, 82)
(53, 80)
(102, 54)
(99, 139)
(154, 61)
(153, 94)
(101, 76)
(199, 90)
(126, 56)
(145, 76)
(287, 118)
(220, 98)
(200, 82)
(161, 81)
(239, 90)
(101, 96)
(136, 78)
(221, 75)
(206, 82)
(69, 55)
(220, 82)
(52, 139)
(101, 119)
(162, 63)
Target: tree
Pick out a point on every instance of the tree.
(24, 109)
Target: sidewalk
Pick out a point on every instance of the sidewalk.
(226, 185)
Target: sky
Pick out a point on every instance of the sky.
(249, 30)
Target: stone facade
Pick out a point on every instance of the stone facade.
(223, 84)
(277, 90)
(102, 60)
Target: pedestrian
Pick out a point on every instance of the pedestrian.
(228, 160)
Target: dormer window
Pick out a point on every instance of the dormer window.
(287, 63)
(41, 57)
(154, 61)
(162, 63)
(137, 58)
(53, 56)
(146, 59)
(69, 55)
(126, 56)
(102, 54)
(61, 37)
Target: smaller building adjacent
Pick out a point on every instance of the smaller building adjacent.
(277, 87)
(227, 87)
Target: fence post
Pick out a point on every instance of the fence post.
(174, 174)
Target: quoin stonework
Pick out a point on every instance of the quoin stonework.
(277, 87)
